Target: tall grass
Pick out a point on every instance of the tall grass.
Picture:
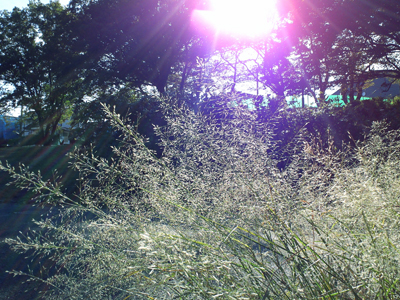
(215, 218)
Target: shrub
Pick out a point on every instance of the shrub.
(215, 218)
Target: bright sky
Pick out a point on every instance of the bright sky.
(10, 4)
(238, 18)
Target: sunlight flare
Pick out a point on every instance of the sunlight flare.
(239, 18)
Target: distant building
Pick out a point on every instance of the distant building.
(380, 87)
(65, 132)
(12, 128)
(8, 128)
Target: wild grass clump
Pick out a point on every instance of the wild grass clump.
(215, 218)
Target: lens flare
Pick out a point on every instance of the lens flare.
(238, 18)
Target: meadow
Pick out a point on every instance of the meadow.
(51, 161)
(215, 217)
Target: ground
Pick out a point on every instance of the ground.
(17, 210)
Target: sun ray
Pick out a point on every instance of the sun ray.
(238, 18)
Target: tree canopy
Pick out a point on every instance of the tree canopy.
(343, 43)
(38, 68)
(52, 56)
(135, 42)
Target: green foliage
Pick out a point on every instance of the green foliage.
(331, 44)
(91, 126)
(344, 125)
(137, 42)
(39, 69)
(52, 162)
(215, 217)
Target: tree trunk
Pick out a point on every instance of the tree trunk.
(351, 89)
(360, 86)
(344, 96)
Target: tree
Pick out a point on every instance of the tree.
(138, 43)
(342, 43)
(91, 126)
(38, 65)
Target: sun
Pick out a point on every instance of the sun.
(239, 18)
